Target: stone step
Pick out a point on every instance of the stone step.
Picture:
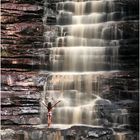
(8, 111)
(31, 95)
(38, 2)
(62, 132)
(21, 7)
(27, 119)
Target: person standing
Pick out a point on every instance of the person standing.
(49, 115)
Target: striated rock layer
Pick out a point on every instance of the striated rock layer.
(22, 55)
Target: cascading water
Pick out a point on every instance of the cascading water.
(85, 51)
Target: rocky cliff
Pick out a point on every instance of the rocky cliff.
(21, 58)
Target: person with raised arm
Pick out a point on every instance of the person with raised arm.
(49, 115)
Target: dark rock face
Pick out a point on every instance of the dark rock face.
(21, 49)
(22, 32)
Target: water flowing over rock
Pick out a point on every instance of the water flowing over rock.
(88, 60)
(82, 52)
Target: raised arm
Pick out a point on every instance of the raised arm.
(55, 104)
(44, 103)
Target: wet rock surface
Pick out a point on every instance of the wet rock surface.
(21, 53)
(22, 32)
(71, 133)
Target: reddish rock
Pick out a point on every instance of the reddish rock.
(22, 36)
(21, 7)
(8, 19)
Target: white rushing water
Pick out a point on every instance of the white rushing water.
(86, 46)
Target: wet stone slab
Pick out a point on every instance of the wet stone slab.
(41, 132)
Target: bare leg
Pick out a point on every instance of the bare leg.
(49, 121)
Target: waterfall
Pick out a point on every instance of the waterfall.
(84, 53)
